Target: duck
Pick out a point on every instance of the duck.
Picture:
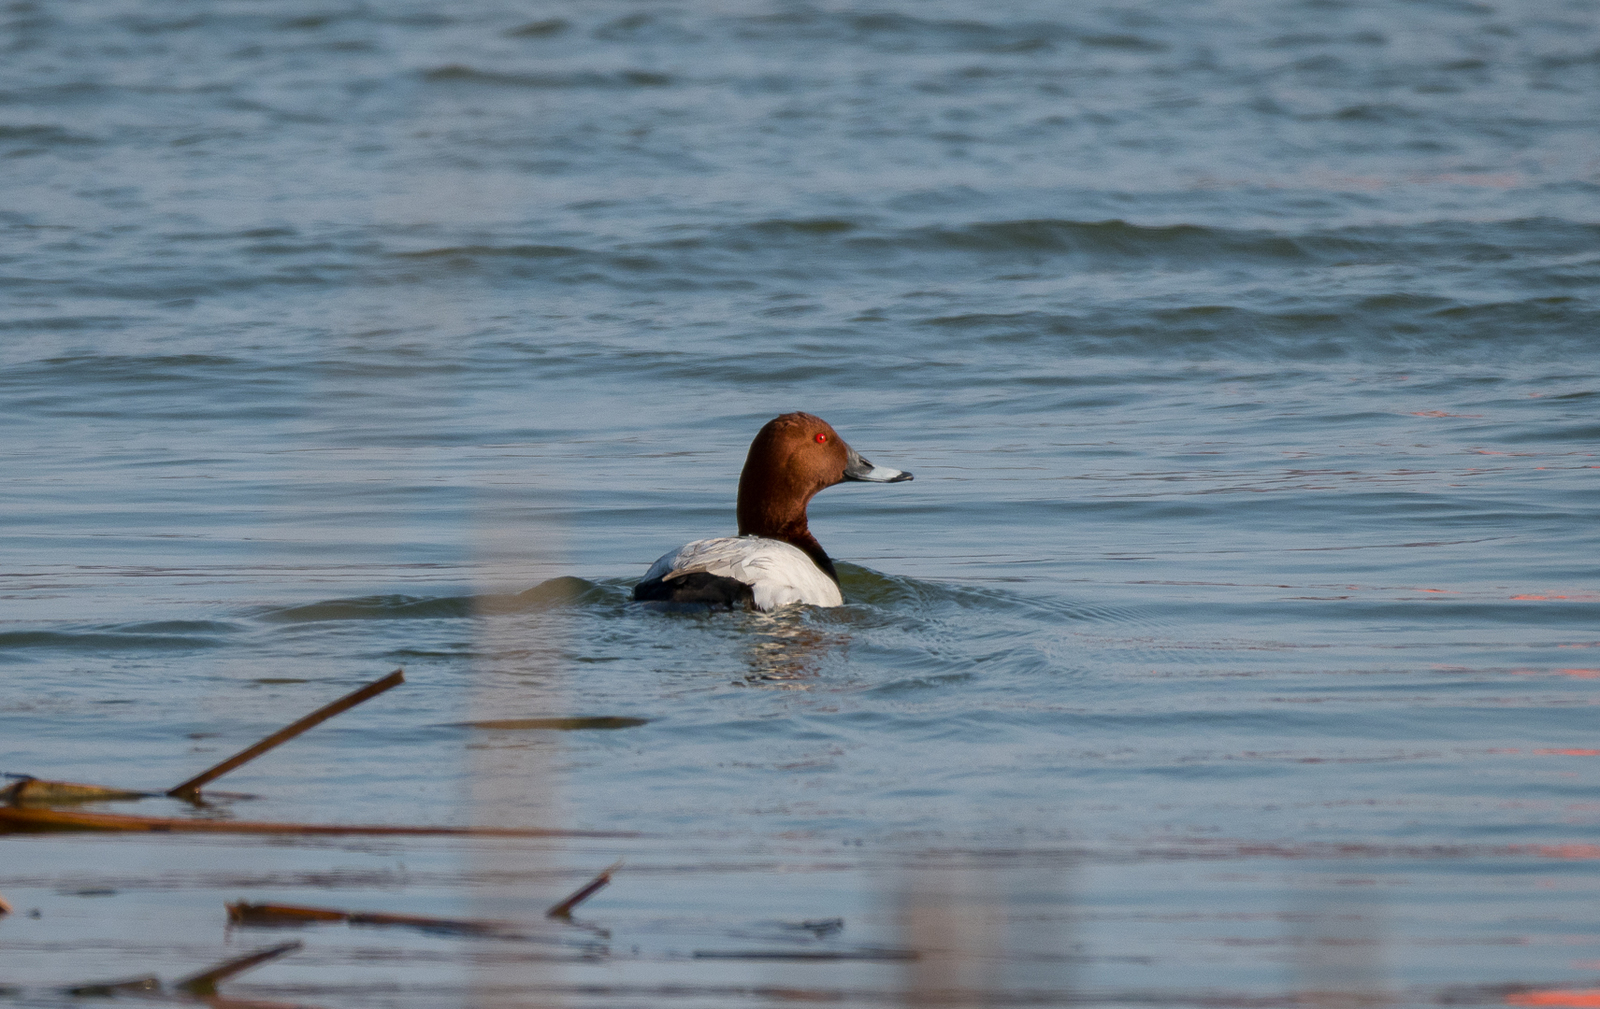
(775, 561)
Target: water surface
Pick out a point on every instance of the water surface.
(1235, 644)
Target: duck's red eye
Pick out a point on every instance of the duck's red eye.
(821, 438)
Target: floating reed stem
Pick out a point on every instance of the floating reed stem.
(811, 954)
(144, 984)
(295, 914)
(189, 789)
(41, 791)
(583, 893)
(205, 983)
(17, 819)
(202, 986)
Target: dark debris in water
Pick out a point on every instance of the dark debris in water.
(298, 916)
(197, 986)
(36, 791)
(559, 723)
(539, 29)
(807, 954)
(583, 893)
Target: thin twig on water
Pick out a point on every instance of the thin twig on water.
(189, 789)
(583, 893)
(807, 954)
(38, 790)
(294, 914)
(205, 982)
(17, 819)
(201, 986)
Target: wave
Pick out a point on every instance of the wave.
(896, 32)
(457, 73)
(164, 635)
(865, 590)
(565, 591)
(1203, 245)
(19, 141)
(1410, 325)
(1218, 289)
(842, 243)
(381, 607)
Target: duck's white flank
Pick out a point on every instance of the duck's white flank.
(777, 573)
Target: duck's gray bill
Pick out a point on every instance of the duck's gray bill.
(857, 468)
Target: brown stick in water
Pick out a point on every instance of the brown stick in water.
(41, 791)
(813, 954)
(192, 787)
(281, 914)
(223, 1002)
(295, 914)
(421, 921)
(15, 819)
(144, 984)
(583, 893)
(205, 982)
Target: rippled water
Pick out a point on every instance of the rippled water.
(1234, 646)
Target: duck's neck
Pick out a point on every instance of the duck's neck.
(762, 519)
(807, 542)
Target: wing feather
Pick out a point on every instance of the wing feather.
(777, 573)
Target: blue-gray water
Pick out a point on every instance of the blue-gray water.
(1236, 644)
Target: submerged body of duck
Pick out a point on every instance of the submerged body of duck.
(774, 561)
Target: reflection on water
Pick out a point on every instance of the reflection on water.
(989, 928)
(785, 649)
(1337, 940)
(517, 671)
(702, 921)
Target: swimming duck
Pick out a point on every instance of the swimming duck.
(774, 561)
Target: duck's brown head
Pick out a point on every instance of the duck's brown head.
(792, 458)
